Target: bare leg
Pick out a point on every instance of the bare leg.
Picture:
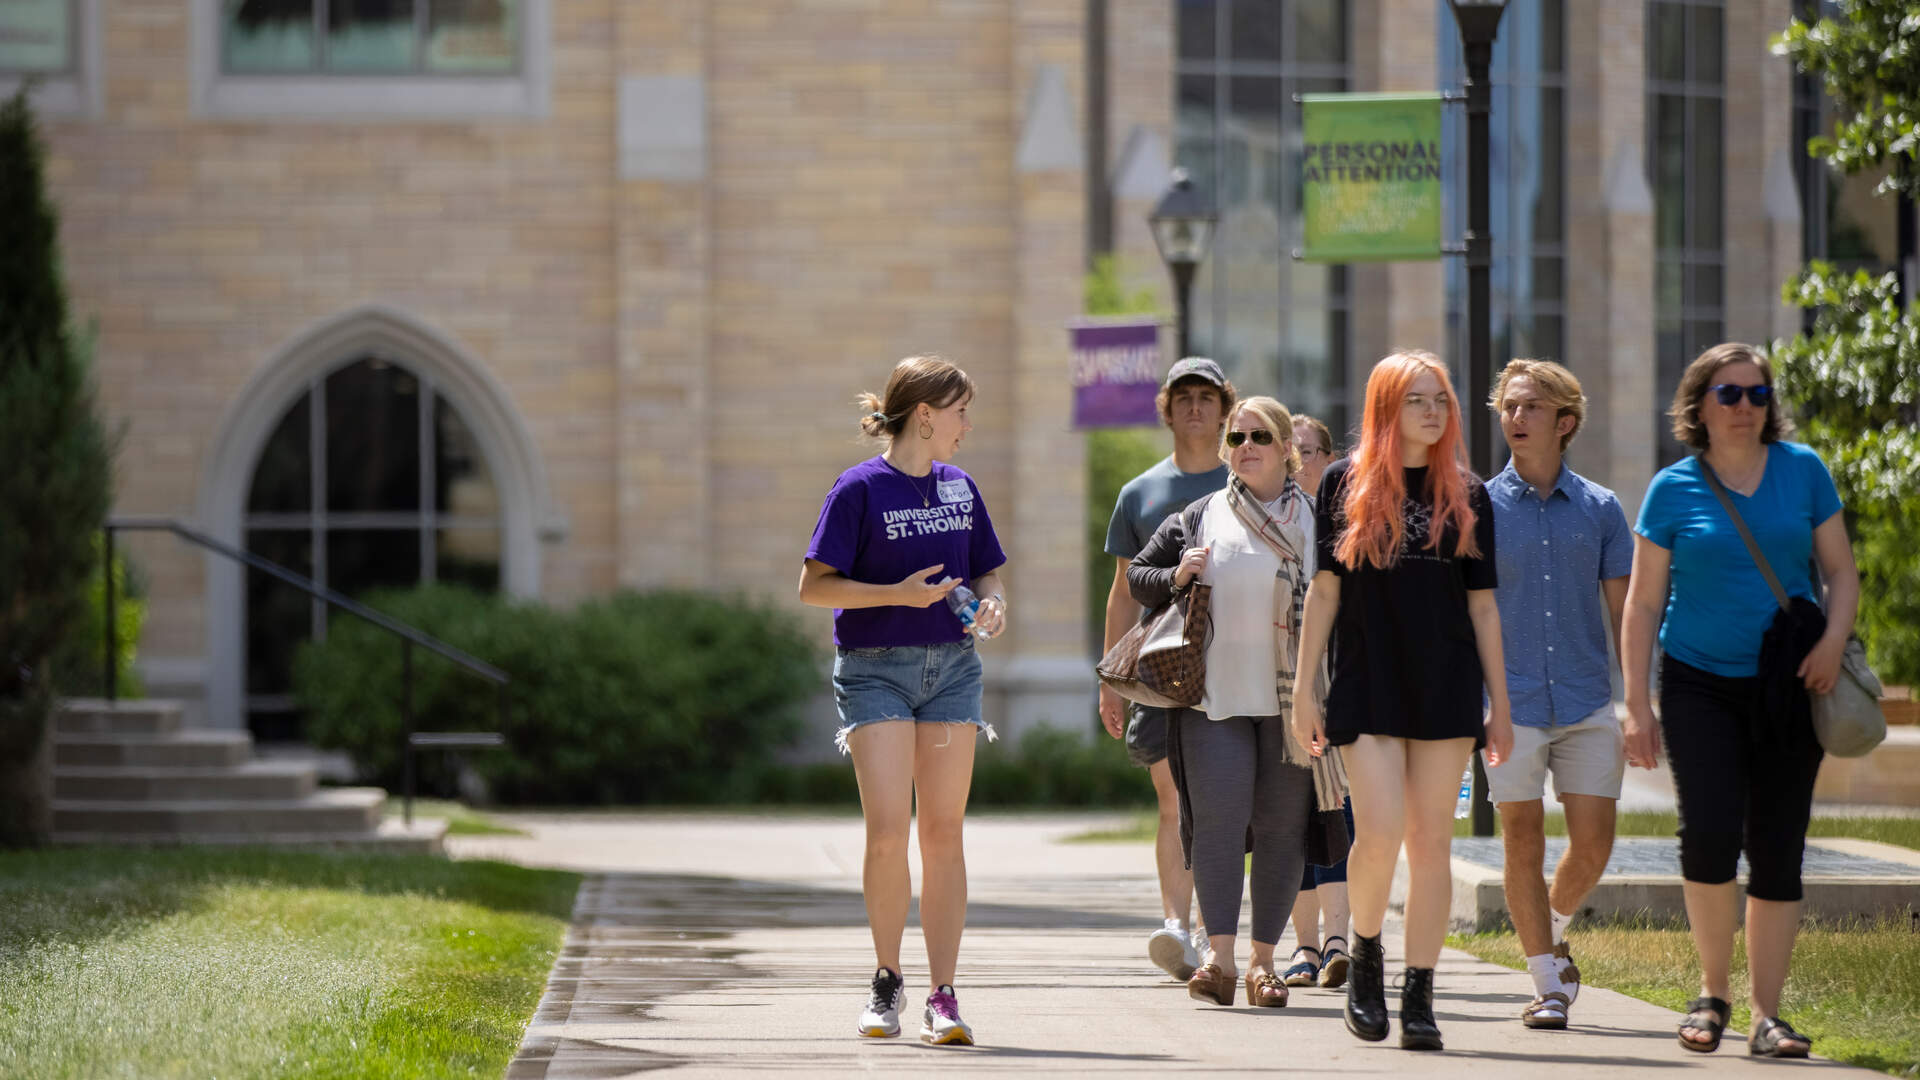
(1590, 825)
(1333, 909)
(883, 764)
(1432, 786)
(1710, 917)
(1522, 834)
(1306, 919)
(1176, 881)
(942, 776)
(1771, 928)
(1376, 770)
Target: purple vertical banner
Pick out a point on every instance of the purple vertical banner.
(1116, 371)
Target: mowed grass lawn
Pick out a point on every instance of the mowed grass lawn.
(250, 963)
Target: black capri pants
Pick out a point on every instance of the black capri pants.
(1735, 792)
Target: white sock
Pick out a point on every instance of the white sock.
(1177, 924)
(1560, 924)
(1546, 974)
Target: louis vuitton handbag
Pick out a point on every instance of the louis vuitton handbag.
(1162, 662)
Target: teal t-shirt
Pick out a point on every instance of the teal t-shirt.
(1147, 499)
(1718, 603)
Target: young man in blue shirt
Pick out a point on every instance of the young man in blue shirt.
(1193, 403)
(1564, 551)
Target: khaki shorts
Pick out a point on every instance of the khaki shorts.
(1587, 758)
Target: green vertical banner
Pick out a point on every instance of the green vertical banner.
(1370, 176)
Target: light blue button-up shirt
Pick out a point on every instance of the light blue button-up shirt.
(1552, 554)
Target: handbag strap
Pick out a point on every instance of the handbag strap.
(1753, 546)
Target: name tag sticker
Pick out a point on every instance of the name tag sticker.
(953, 491)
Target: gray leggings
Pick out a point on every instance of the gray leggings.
(1237, 778)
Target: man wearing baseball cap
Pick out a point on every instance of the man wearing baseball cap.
(1193, 403)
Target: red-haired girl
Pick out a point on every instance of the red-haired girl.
(1405, 584)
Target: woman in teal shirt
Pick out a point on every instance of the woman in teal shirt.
(1740, 736)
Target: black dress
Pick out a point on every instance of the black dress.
(1405, 663)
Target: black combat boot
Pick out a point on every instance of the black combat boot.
(1367, 990)
(1417, 1029)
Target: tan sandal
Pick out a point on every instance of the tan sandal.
(1265, 990)
(1548, 1012)
(1210, 983)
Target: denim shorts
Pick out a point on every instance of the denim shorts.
(928, 684)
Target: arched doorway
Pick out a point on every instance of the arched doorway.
(369, 450)
(371, 479)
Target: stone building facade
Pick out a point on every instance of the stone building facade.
(632, 261)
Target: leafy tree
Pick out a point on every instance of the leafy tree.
(1854, 376)
(54, 486)
(1114, 455)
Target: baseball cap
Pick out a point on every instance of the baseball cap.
(1198, 366)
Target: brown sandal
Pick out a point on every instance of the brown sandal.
(1265, 990)
(1210, 983)
(1548, 1012)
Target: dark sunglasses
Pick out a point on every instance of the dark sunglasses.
(1728, 394)
(1260, 437)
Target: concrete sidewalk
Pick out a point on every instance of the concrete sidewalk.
(722, 946)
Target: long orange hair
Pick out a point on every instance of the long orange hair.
(1376, 523)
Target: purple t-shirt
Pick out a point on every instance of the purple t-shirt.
(879, 525)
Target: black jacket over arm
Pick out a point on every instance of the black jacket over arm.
(1150, 574)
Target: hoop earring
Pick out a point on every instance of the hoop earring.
(926, 430)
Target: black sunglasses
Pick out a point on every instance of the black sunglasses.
(1260, 437)
(1728, 394)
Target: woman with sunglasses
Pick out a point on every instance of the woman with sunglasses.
(1734, 684)
(898, 534)
(1237, 769)
(1405, 585)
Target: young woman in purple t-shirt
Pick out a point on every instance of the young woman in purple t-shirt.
(897, 534)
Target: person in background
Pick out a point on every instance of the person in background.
(1735, 677)
(1404, 584)
(1193, 403)
(1564, 554)
(1320, 911)
(898, 535)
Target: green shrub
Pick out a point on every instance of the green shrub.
(633, 698)
(76, 664)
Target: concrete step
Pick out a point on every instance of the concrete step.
(427, 836)
(180, 749)
(252, 780)
(98, 716)
(325, 812)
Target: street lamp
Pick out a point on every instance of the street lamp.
(1182, 225)
(1479, 22)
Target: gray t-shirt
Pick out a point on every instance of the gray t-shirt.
(1147, 499)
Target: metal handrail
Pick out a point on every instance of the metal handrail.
(409, 637)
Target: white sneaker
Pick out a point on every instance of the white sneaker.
(942, 1025)
(881, 1018)
(1172, 950)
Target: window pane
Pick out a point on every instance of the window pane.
(373, 438)
(1251, 171)
(268, 35)
(1548, 226)
(279, 616)
(468, 557)
(1704, 286)
(1193, 133)
(1704, 45)
(1702, 334)
(1255, 31)
(1196, 28)
(370, 35)
(1553, 37)
(1549, 279)
(1549, 338)
(462, 484)
(1667, 296)
(36, 36)
(1320, 31)
(1703, 175)
(472, 35)
(1666, 40)
(283, 477)
(1669, 138)
(360, 560)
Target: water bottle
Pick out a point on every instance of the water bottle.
(965, 607)
(1464, 803)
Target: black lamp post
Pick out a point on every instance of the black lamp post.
(1182, 225)
(1479, 22)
